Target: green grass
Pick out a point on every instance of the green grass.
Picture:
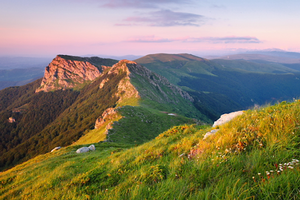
(177, 164)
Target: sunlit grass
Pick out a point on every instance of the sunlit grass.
(241, 161)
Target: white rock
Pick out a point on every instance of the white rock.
(56, 148)
(92, 147)
(83, 150)
(227, 117)
(212, 132)
(86, 149)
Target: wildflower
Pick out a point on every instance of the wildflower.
(281, 169)
(259, 174)
(271, 171)
(278, 172)
(290, 167)
(268, 174)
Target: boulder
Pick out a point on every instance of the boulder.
(55, 149)
(226, 118)
(86, 149)
(92, 147)
(212, 132)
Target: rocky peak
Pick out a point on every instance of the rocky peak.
(64, 73)
(107, 115)
(125, 88)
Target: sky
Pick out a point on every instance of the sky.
(138, 27)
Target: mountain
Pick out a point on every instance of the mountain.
(9, 62)
(275, 56)
(226, 85)
(255, 156)
(131, 104)
(17, 71)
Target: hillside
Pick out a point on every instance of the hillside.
(255, 156)
(226, 85)
(63, 107)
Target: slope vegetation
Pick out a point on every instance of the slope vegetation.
(62, 108)
(226, 85)
(255, 156)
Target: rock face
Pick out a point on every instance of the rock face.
(227, 117)
(62, 73)
(125, 91)
(125, 88)
(107, 115)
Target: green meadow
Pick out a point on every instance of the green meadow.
(255, 156)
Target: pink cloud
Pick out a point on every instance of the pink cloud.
(166, 18)
(140, 3)
(149, 39)
(214, 40)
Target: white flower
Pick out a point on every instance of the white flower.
(281, 169)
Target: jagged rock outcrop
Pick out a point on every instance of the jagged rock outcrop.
(107, 115)
(63, 73)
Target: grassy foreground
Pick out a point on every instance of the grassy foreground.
(255, 156)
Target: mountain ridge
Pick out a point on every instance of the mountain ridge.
(126, 86)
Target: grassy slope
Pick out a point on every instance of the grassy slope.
(225, 166)
(255, 66)
(234, 84)
(73, 114)
(140, 120)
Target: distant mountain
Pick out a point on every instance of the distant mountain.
(270, 56)
(18, 77)
(7, 62)
(127, 57)
(17, 71)
(126, 102)
(226, 85)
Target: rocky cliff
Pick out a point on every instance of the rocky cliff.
(125, 88)
(64, 73)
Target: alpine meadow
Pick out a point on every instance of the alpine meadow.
(149, 100)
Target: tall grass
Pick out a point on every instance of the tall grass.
(250, 157)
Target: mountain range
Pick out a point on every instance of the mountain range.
(159, 91)
(149, 121)
(63, 107)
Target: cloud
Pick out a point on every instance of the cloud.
(218, 6)
(140, 3)
(165, 18)
(226, 40)
(149, 39)
(214, 40)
